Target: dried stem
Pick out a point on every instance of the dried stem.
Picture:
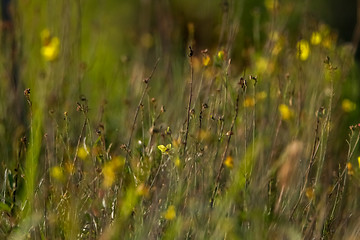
(190, 99)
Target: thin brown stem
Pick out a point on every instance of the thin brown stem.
(189, 102)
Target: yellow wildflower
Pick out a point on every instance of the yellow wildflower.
(57, 173)
(310, 193)
(348, 106)
(177, 162)
(109, 175)
(118, 162)
(164, 149)
(110, 169)
(51, 46)
(261, 95)
(262, 64)
(249, 102)
(229, 162)
(303, 50)
(170, 213)
(285, 112)
(221, 55)
(315, 38)
(350, 169)
(82, 153)
(206, 60)
(359, 161)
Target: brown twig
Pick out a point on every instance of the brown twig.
(191, 53)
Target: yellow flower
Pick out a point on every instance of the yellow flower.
(315, 38)
(110, 169)
(350, 168)
(57, 173)
(50, 51)
(310, 193)
(359, 161)
(348, 106)
(229, 162)
(261, 95)
(249, 102)
(82, 153)
(303, 50)
(170, 213)
(177, 162)
(206, 60)
(285, 112)
(163, 149)
(262, 64)
(221, 55)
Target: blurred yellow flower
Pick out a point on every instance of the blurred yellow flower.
(164, 149)
(285, 112)
(177, 162)
(359, 161)
(57, 173)
(303, 50)
(109, 175)
(348, 106)
(50, 45)
(229, 162)
(118, 161)
(315, 38)
(261, 95)
(221, 55)
(82, 153)
(110, 169)
(206, 60)
(310, 193)
(350, 168)
(170, 213)
(249, 102)
(262, 64)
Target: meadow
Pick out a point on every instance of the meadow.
(177, 120)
